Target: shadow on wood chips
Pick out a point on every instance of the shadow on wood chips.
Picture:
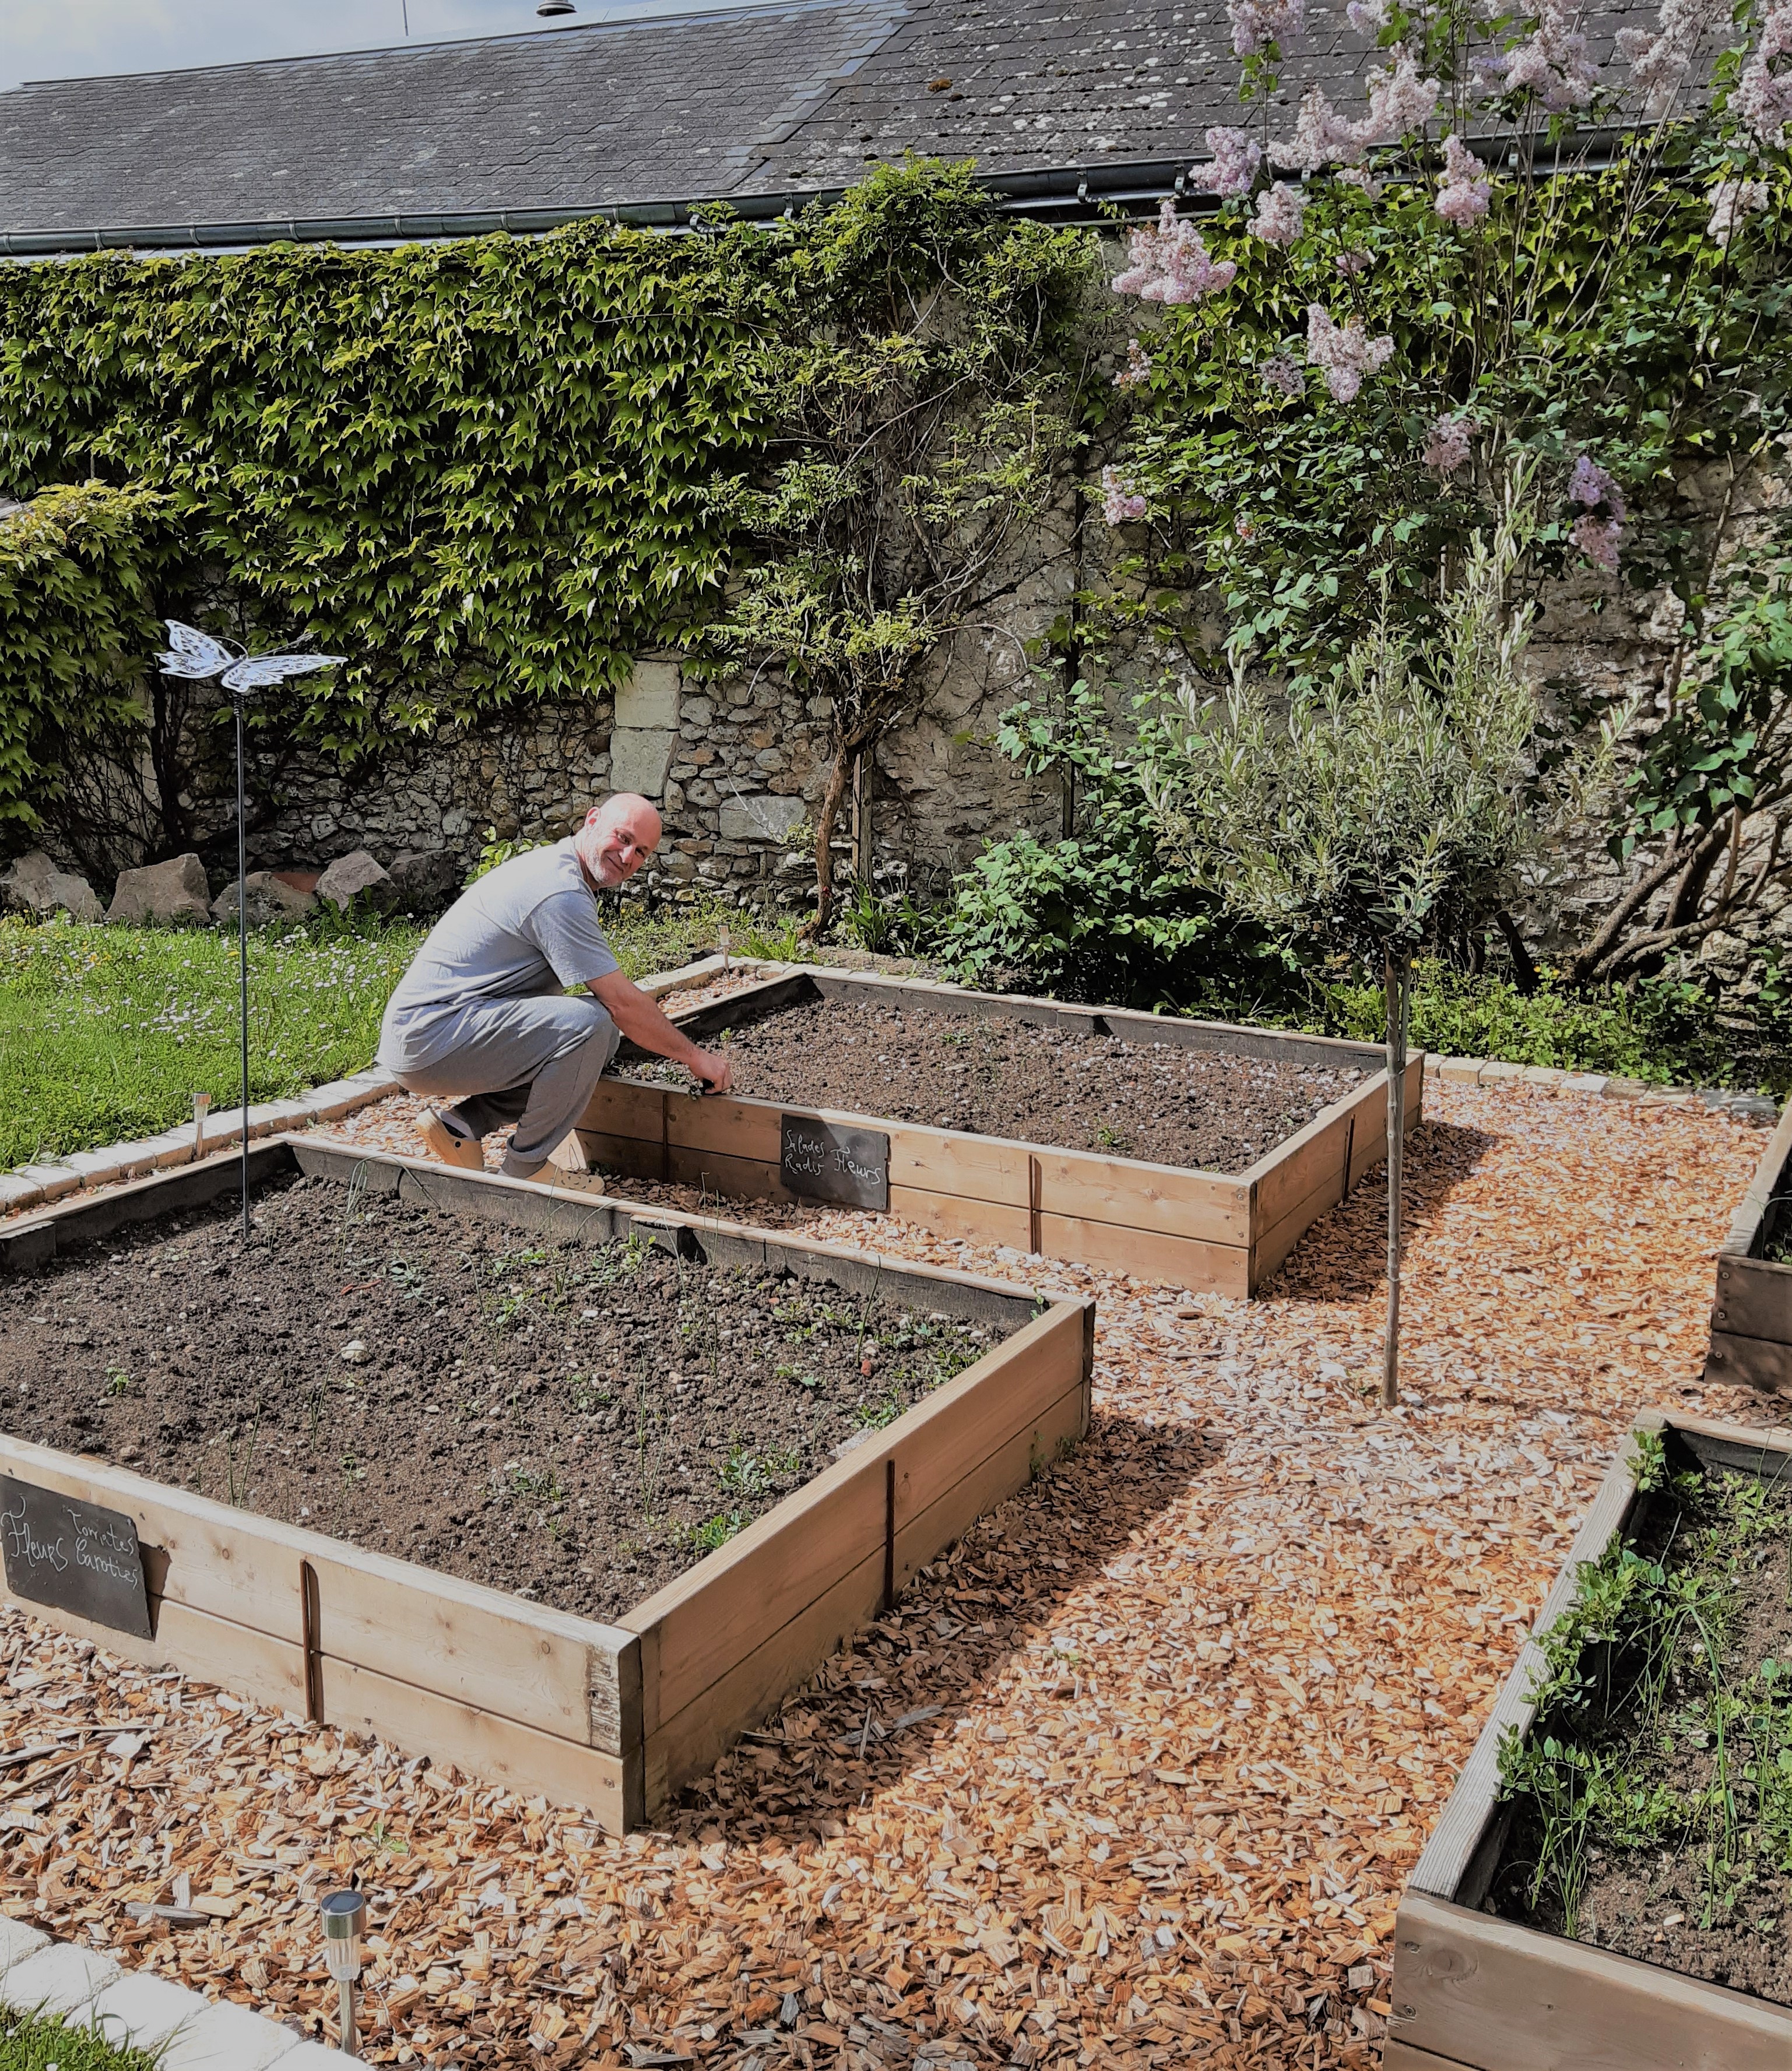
(985, 1606)
(1343, 1257)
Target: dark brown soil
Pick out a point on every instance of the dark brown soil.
(578, 1423)
(999, 1077)
(1679, 1896)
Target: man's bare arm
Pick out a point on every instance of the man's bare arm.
(639, 1020)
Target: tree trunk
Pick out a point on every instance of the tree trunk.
(1524, 971)
(827, 814)
(1397, 991)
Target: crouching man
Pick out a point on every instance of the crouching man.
(481, 1020)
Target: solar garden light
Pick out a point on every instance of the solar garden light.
(345, 1919)
(197, 657)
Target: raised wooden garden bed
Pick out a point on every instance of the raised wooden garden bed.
(1751, 1319)
(1471, 1990)
(1226, 1231)
(614, 1717)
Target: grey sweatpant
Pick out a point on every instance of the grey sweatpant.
(535, 1062)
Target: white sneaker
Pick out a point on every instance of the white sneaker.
(443, 1142)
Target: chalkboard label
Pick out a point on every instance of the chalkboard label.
(74, 1556)
(824, 1162)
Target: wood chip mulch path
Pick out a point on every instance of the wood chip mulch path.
(1133, 1778)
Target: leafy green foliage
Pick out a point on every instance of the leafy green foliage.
(480, 470)
(1639, 1666)
(77, 622)
(1105, 911)
(1391, 809)
(915, 357)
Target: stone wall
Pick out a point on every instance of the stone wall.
(737, 766)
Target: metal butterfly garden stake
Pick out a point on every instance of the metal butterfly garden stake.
(199, 658)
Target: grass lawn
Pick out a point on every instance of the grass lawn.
(107, 1033)
(31, 2042)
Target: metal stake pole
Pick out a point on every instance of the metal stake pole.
(350, 2042)
(242, 952)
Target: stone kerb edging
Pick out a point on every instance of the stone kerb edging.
(1452, 1071)
(32, 1186)
(182, 2031)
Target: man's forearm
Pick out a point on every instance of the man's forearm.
(639, 1020)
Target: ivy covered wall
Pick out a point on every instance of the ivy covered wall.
(493, 475)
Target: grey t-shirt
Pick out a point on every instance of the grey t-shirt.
(529, 927)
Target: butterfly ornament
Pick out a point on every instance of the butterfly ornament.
(198, 657)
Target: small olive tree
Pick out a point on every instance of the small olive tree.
(1391, 809)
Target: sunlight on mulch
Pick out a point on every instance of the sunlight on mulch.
(1133, 1777)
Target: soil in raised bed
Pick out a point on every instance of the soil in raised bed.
(576, 1423)
(1216, 1110)
(1681, 1791)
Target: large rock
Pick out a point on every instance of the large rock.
(356, 875)
(763, 818)
(269, 901)
(425, 881)
(35, 885)
(172, 892)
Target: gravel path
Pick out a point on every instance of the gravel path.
(1201, 1691)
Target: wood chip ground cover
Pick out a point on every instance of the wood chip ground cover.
(1133, 1777)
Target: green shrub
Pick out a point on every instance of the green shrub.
(1103, 913)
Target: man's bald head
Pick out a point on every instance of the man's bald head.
(617, 837)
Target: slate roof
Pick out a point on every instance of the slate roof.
(748, 100)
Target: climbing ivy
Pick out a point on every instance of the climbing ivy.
(75, 569)
(479, 470)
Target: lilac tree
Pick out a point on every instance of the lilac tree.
(1512, 248)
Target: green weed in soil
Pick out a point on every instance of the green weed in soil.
(1653, 1793)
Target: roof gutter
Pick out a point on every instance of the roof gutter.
(1067, 194)
(1053, 193)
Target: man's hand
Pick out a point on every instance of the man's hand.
(714, 1069)
(643, 1023)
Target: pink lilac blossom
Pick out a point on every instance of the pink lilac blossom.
(1121, 502)
(1368, 18)
(1356, 176)
(1256, 22)
(1400, 101)
(1281, 377)
(1138, 368)
(1661, 58)
(1322, 138)
(1762, 99)
(1447, 448)
(1466, 191)
(1236, 159)
(1732, 202)
(1591, 485)
(1553, 63)
(1171, 264)
(1351, 264)
(1342, 353)
(1280, 213)
(1598, 538)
